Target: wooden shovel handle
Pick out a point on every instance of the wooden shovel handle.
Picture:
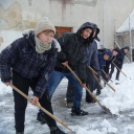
(108, 84)
(119, 69)
(104, 81)
(97, 81)
(85, 86)
(106, 75)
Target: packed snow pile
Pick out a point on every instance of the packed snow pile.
(123, 98)
(105, 125)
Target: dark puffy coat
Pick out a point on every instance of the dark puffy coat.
(120, 57)
(24, 60)
(108, 62)
(73, 50)
(92, 56)
(92, 52)
(102, 62)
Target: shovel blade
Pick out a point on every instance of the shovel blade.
(106, 110)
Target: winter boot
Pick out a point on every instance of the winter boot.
(98, 92)
(41, 117)
(78, 112)
(57, 131)
(117, 83)
(19, 132)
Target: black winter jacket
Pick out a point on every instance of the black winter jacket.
(73, 50)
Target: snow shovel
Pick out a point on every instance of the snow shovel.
(106, 75)
(107, 84)
(97, 80)
(44, 110)
(119, 70)
(102, 79)
(96, 77)
(104, 108)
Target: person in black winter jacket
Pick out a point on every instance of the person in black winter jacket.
(91, 55)
(119, 61)
(74, 47)
(32, 59)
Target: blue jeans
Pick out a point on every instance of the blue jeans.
(56, 78)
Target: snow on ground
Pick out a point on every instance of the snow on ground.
(121, 104)
(123, 98)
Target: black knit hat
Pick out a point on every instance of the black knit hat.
(127, 47)
(116, 49)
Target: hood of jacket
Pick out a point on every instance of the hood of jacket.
(82, 27)
(95, 27)
(107, 51)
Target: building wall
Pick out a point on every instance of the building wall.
(18, 15)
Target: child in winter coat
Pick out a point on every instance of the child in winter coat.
(115, 51)
(32, 59)
(102, 57)
(119, 61)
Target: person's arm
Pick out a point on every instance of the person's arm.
(45, 74)
(121, 62)
(63, 40)
(7, 58)
(95, 60)
(107, 66)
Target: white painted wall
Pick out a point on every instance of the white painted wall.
(70, 13)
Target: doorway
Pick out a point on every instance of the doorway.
(61, 30)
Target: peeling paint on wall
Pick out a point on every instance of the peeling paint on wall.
(12, 15)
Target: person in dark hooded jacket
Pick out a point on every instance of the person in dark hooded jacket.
(74, 47)
(102, 57)
(115, 51)
(119, 61)
(91, 55)
(32, 59)
(92, 58)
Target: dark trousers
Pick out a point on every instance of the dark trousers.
(96, 83)
(112, 70)
(21, 103)
(90, 84)
(70, 92)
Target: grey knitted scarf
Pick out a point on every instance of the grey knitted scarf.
(40, 46)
